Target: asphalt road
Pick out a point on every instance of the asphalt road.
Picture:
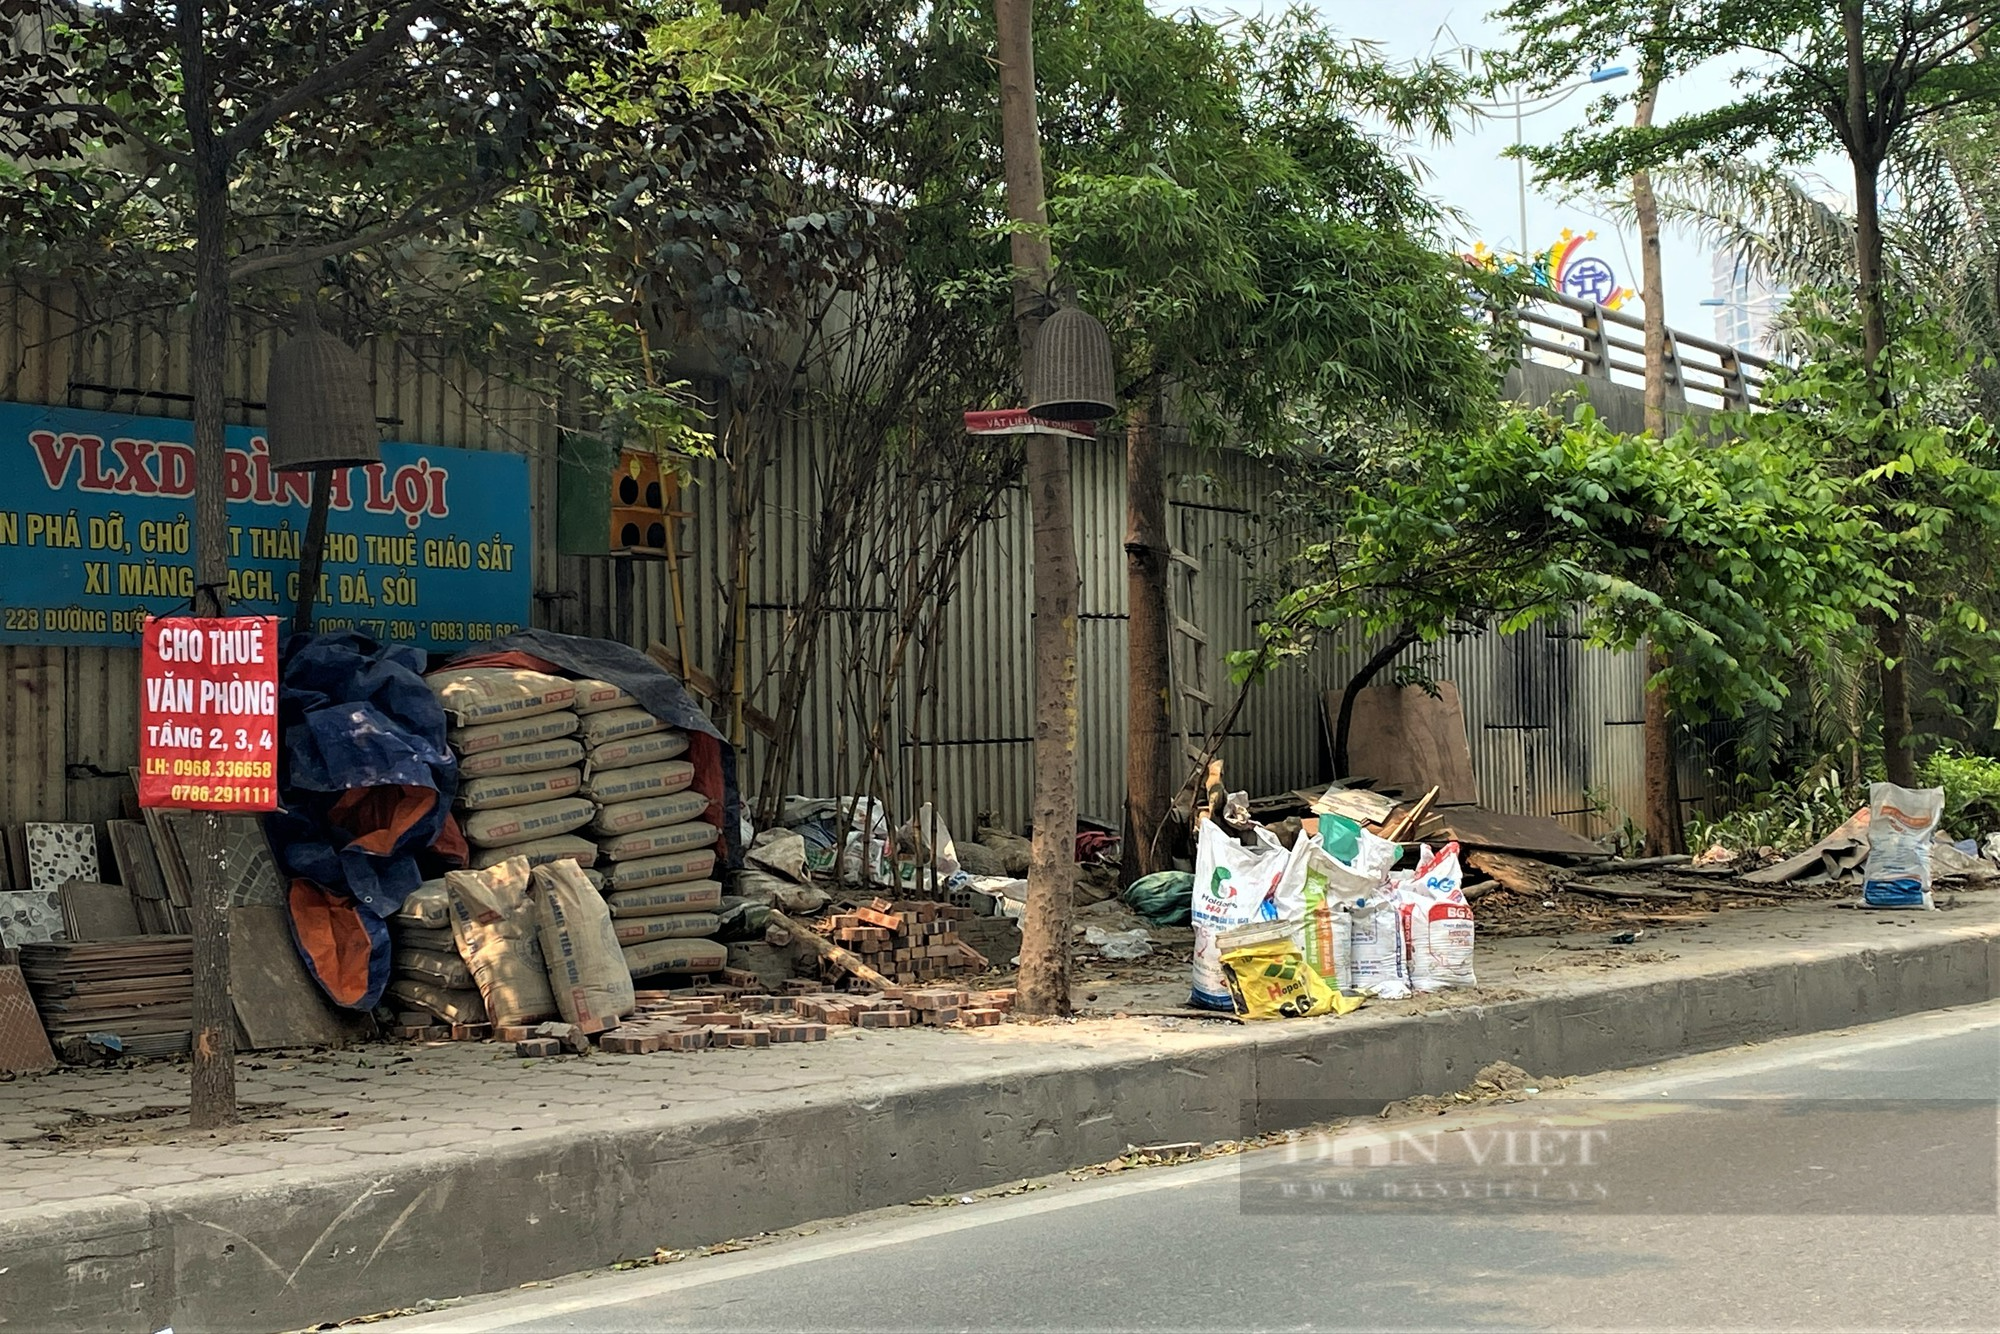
(1834, 1182)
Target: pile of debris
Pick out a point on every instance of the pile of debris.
(898, 943)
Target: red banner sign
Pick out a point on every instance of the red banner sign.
(1019, 421)
(208, 713)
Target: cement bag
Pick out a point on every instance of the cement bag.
(592, 985)
(639, 782)
(597, 696)
(427, 906)
(1233, 886)
(642, 872)
(536, 756)
(780, 850)
(561, 848)
(511, 732)
(447, 971)
(675, 956)
(525, 824)
(625, 751)
(1437, 922)
(1901, 824)
(1329, 889)
(651, 812)
(693, 896)
(475, 695)
(485, 794)
(454, 1007)
(666, 926)
(438, 940)
(598, 728)
(1268, 976)
(1379, 968)
(774, 891)
(494, 919)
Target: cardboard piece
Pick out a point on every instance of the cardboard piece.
(1403, 738)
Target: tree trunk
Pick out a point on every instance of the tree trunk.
(212, 1100)
(1865, 155)
(1866, 160)
(1150, 782)
(1664, 832)
(1899, 762)
(1044, 977)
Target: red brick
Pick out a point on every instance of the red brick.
(979, 1018)
(941, 1017)
(747, 1037)
(538, 1047)
(471, 1032)
(687, 1039)
(514, 1032)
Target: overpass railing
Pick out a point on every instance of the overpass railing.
(1588, 340)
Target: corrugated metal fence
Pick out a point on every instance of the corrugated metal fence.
(1553, 724)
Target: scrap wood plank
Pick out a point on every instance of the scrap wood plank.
(704, 685)
(1408, 739)
(1476, 827)
(1358, 804)
(1523, 875)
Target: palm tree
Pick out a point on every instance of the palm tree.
(1942, 232)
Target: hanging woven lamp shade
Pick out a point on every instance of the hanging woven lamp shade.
(1072, 377)
(318, 407)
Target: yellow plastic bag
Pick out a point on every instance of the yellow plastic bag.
(1268, 976)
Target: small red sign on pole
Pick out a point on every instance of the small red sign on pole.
(208, 713)
(1019, 421)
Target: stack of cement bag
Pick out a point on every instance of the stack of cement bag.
(519, 765)
(429, 974)
(654, 848)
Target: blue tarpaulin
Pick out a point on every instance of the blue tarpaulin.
(365, 784)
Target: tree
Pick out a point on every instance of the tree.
(296, 136)
(1853, 77)
(1557, 41)
(1733, 558)
(1269, 268)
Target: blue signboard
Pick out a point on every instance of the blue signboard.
(428, 547)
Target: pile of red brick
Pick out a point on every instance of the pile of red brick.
(914, 941)
(729, 1016)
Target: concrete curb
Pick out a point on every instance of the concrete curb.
(289, 1250)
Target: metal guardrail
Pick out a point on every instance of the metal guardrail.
(1599, 344)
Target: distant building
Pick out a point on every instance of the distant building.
(1745, 304)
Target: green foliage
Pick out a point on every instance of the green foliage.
(1971, 786)
(497, 180)
(1919, 60)
(1732, 557)
(1783, 819)
(1924, 474)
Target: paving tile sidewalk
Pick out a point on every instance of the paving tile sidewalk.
(368, 1107)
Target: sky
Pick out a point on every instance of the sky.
(1470, 173)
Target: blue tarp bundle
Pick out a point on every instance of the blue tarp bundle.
(366, 783)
